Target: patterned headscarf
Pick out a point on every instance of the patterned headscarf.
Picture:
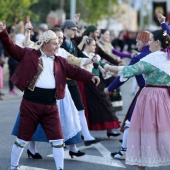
(45, 37)
(143, 36)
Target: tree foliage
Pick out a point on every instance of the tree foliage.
(43, 7)
(94, 10)
(90, 10)
(15, 9)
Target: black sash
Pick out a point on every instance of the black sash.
(41, 96)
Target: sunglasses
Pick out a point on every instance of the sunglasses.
(73, 29)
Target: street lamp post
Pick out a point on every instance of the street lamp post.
(150, 10)
(141, 15)
(129, 15)
(72, 9)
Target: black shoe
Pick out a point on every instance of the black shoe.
(82, 137)
(89, 142)
(118, 155)
(79, 153)
(112, 134)
(120, 140)
(34, 156)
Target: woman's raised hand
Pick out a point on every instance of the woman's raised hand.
(2, 25)
(28, 26)
(161, 18)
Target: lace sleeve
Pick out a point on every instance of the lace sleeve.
(120, 73)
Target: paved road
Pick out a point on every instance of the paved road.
(97, 156)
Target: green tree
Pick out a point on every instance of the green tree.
(43, 7)
(90, 10)
(94, 10)
(16, 9)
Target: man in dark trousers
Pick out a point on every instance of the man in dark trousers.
(69, 29)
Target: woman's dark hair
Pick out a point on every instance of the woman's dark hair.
(163, 37)
(56, 29)
(102, 31)
(88, 42)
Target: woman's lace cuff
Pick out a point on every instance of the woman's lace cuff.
(120, 73)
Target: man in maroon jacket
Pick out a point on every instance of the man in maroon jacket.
(42, 77)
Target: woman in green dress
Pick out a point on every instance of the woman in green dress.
(149, 133)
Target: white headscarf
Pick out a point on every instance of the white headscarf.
(45, 37)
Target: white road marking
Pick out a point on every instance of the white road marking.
(105, 159)
(32, 168)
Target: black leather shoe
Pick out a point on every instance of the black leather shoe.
(78, 154)
(120, 140)
(34, 156)
(89, 142)
(118, 155)
(82, 137)
(112, 134)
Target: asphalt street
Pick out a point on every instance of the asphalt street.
(97, 155)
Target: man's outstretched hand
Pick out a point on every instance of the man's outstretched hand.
(96, 80)
(2, 26)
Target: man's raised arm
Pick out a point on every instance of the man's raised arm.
(13, 50)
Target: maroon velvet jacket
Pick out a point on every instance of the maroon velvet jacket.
(28, 65)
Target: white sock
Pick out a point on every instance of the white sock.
(73, 148)
(32, 147)
(124, 142)
(16, 153)
(85, 130)
(109, 131)
(58, 154)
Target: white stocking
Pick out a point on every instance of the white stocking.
(85, 130)
(17, 150)
(32, 147)
(125, 136)
(58, 153)
(73, 148)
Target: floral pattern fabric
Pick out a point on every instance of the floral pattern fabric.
(152, 74)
